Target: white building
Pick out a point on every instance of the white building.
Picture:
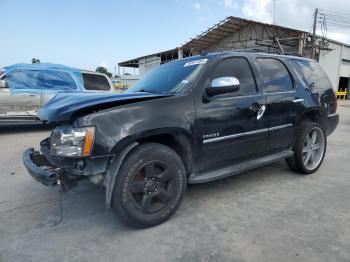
(237, 34)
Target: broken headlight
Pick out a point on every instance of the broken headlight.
(72, 142)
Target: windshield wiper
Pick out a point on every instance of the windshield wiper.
(151, 91)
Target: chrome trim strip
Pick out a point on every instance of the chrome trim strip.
(280, 127)
(216, 139)
(298, 100)
(330, 115)
(281, 92)
(235, 135)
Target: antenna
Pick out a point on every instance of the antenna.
(274, 12)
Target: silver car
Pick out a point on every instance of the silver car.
(24, 88)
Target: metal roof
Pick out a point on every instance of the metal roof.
(225, 28)
(216, 33)
(135, 62)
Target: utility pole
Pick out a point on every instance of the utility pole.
(314, 34)
(274, 12)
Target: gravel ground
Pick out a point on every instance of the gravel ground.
(270, 214)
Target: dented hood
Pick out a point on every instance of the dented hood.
(63, 106)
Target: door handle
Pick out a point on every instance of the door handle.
(297, 100)
(258, 109)
(261, 112)
(255, 107)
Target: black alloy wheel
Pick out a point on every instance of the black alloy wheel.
(150, 185)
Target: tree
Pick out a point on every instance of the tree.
(35, 61)
(103, 70)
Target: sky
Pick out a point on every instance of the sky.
(86, 34)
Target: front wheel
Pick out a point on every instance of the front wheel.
(309, 149)
(150, 185)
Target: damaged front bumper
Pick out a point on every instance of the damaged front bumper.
(48, 169)
(40, 168)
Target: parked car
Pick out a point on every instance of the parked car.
(24, 88)
(190, 121)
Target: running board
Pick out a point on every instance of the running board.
(214, 174)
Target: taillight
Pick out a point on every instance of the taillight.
(334, 104)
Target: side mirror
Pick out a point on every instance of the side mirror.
(3, 84)
(222, 85)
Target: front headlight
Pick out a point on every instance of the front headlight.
(72, 142)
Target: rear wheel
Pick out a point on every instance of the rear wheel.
(309, 149)
(150, 185)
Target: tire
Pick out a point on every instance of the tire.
(150, 185)
(309, 148)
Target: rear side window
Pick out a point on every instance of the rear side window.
(239, 68)
(56, 80)
(95, 82)
(23, 79)
(312, 74)
(275, 75)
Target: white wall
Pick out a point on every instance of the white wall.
(330, 62)
(345, 63)
(345, 69)
(128, 79)
(147, 64)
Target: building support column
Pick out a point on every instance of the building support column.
(180, 53)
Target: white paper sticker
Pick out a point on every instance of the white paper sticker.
(196, 62)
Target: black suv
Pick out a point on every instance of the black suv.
(190, 121)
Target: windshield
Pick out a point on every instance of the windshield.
(2, 71)
(175, 77)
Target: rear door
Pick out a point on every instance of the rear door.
(228, 128)
(54, 81)
(22, 97)
(279, 89)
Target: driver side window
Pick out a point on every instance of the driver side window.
(23, 79)
(3, 83)
(239, 68)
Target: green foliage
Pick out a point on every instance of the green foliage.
(103, 70)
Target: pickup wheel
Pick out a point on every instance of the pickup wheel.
(150, 185)
(309, 148)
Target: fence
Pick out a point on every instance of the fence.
(342, 93)
(121, 87)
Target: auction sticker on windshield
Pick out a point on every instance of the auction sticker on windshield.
(196, 62)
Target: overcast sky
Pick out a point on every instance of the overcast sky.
(87, 33)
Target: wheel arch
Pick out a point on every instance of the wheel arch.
(178, 139)
(314, 114)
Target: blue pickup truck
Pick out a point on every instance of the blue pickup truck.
(24, 88)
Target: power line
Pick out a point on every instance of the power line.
(336, 19)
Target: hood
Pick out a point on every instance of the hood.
(63, 106)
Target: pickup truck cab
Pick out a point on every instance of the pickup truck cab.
(24, 88)
(194, 120)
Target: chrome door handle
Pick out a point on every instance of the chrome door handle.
(261, 112)
(297, 100)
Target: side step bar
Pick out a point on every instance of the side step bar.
(214, 174)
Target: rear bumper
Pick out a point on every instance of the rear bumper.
(332, 123)
(39, 168)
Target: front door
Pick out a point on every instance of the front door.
(22, 96)
(228, 128)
